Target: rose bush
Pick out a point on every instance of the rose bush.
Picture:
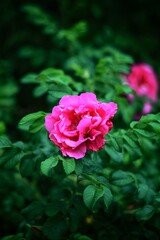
(80, 123)
(112, 193)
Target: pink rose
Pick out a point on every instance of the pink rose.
(143, 80)
(79, 123)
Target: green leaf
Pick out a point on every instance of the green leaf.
(57, 82)
(145, 213)
(48, 164)
(33, 122)
(55, 227)
(145, 133)
(31, 117)
(114, 155)
(79, 166)
(56, 206)
(91, 195)
(84, 238)
(2, 127)
(107, 197)
(52, 75)
(27, 166)
(142, 190)
(157, 198)
(149, 198)
(13, 237)
(37, 125)
(19, 145)
(150, 118)
(5, 142)
(78, 236)
(133, 124)
(53, 208)
(131, 142)
(68, 165)
(29, 78)
(156, 127)
(121, 178)
(121, 89)
(40, 90)
(12, 162)
(146, 129)
(59, 89)
(52, 72)
(115, 144)
(11, 157)
(35, 209)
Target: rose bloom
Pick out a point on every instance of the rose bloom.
(143, 80)
(79, 123)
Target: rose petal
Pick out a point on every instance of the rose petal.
(97, 144)
(76, 153)
(49, 123)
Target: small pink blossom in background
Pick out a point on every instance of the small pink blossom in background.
(79, 123)
(143, 80)
(147, 108)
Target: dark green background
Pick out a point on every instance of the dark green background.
(132, 26)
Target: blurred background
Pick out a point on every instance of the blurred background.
(39, 34)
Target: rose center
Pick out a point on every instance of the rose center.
(141, 82)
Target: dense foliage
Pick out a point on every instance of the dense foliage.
(50, 50)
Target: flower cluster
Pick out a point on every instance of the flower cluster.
(79, 123)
